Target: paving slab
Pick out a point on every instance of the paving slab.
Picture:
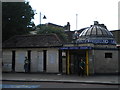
(28, 77)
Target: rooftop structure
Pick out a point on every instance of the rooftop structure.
(96, 34)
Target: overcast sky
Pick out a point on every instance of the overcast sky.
(62, 11)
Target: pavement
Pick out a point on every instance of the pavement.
(38, 77)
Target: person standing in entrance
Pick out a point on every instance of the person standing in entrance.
(26, 64)
(81, 67)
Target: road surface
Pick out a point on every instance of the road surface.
(10, 84)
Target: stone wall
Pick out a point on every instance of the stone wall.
(103, 64)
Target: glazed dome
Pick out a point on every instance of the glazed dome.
(96, 34)
(96, 30)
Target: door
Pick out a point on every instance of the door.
(13, 61)
(75, 57)
(74, 63)
(29, 58)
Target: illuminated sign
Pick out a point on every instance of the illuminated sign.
(97, 41)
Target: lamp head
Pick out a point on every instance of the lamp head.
(44, 17)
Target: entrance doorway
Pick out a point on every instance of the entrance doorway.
(75, 57)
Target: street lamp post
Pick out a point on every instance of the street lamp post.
(76, 20)
(44, 17)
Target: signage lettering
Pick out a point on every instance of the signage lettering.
(82, 47)
(96, 41)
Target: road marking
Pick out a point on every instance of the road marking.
(18, 86)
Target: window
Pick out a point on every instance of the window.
(108, 55)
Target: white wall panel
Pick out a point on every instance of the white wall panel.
(33, 61)
(7, 60)
(19, 63)
(52, 61)
(40, 61)
(37, 61)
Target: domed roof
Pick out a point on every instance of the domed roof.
(96, 30)
(96, 34)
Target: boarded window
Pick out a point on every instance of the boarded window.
(108, 55)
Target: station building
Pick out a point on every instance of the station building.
(95, 45)
(42, 52)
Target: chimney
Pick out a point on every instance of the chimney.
(96, 22)
(68, 26)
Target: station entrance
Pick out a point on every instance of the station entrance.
(75, 57)
(71, 59)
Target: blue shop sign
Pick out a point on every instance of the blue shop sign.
(97, 41)
(71, 48)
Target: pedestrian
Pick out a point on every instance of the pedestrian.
(26, 64)
(81, 67)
